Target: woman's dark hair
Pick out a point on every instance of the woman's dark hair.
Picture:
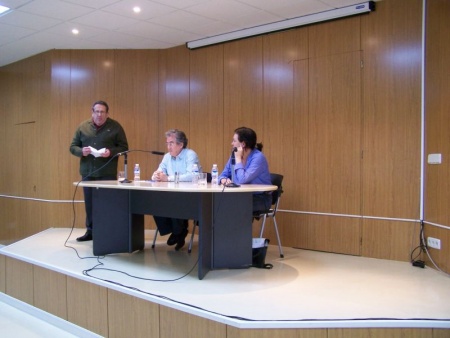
(180, 136)
(103, 103)
(248, 136)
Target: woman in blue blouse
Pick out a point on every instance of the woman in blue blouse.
(250, 166)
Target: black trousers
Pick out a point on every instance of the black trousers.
(167, 225)
(261, 202)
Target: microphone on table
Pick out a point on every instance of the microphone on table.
(125, 165)
(125, 154)
(233, 162)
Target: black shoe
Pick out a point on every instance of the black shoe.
(86, 237)
(181, 239)
(173, 239)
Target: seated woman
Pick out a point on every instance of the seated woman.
(250, 167)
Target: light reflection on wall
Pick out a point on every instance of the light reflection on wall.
(61, 72)
(401, 57)
(177, 86)
(195, 86)
(404, 58)
(234, 65)
(278, 72)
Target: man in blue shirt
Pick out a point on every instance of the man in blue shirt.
(178, 160)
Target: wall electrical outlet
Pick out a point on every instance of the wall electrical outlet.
(434, 243)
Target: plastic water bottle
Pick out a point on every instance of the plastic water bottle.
(137, 172)
(195, 173)
(214, 175)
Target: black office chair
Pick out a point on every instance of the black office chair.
(191, 241)
(277, 180)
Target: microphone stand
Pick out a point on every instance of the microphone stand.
(233, 162)
(125, 160)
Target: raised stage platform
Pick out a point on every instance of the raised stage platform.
(305, 289)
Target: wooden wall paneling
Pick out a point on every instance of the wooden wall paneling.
(280, 51)
(57, 166)
(437, 112)
(130, 316)
(6, 80)
(440, 257)
(294, 229)
(385, 239)
(243, 91)
(335, 117)
(295, 196)
(29, 214)
(335, 37)
(333, 234)
(92, 78)
(11, 136)
(335, 134)
(440, 333)
(174, 94)
(137, 96)
(28, 173)
(233, 332)
(162, 75)
(8, 220)
(30, 211)
(2, 273)
(49, 290)
(58, 157)
(284, 82)
(391, 41)
(19, 280)
(32, 71)
(87, 305)
(206, 105)
(380, 333)
(174, 323)
(14, 139)
(56, 214)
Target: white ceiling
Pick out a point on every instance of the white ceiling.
(35, 26)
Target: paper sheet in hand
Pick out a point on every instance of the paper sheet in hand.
(96, 152)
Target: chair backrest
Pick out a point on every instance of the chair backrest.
(277, 180)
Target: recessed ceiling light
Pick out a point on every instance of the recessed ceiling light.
(137, 9)
(4, 9)
(75, 31)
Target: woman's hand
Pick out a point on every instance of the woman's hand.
(239, 154)
(225, 181)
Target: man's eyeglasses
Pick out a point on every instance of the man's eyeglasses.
(171, 143)
(99, 112)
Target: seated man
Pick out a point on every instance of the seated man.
(179, 160)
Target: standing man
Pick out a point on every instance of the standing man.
(179, 160)
(96, 141)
